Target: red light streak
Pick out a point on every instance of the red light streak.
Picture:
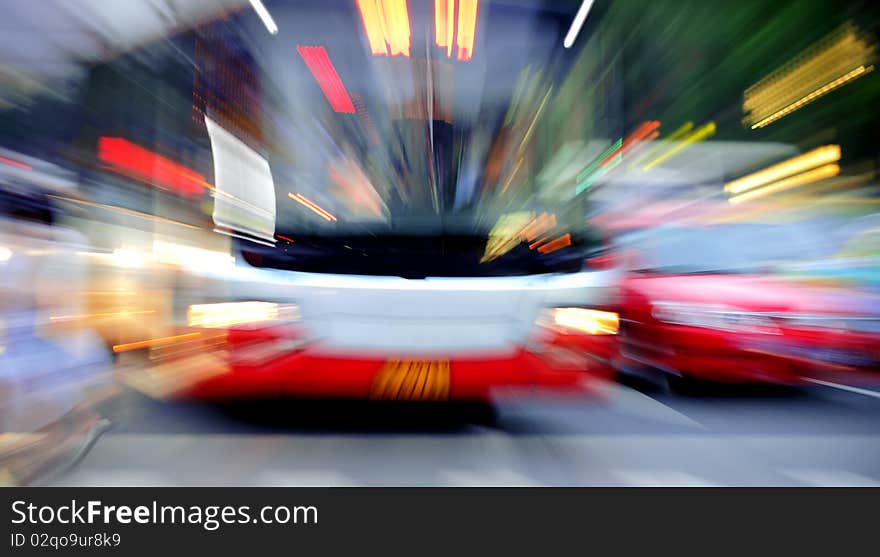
(285, 238)
(647, 131)
(558, 243)
(136, 162)
(15, 163)
(328, 80)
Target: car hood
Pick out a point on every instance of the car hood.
(752, 293)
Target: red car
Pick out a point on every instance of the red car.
(703, 304)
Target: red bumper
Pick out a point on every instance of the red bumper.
(561, 364)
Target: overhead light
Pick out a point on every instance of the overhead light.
(578, 22)
(5, 253)
(444, 24)
(467, 24)
(450, 32)
(372, 17)
(397, 27)
(817, 157)
(386, 23)
(265, 16)
(325, 74)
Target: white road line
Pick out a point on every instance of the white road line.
(830, 478)
(304, 478)
(113, 478)
(857, 390)
(486, 478)
(661, 478)
(630, 401)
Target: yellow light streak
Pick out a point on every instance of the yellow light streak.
(467, 23)
(660, 146)
(699, 134)
(442, 24)
(153, 342)
(827, 88)
(124, 314)
(801, 163)
(386, 23)
(828, 64)
(821, 173)
(128, 212)
(372, 19)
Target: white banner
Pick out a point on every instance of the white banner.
(244, 198)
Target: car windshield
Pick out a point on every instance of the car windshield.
(418, 164)
(734, 248)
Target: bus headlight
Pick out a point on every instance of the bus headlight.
(585, 320)
(231, 314)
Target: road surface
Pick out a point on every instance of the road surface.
(818, 436)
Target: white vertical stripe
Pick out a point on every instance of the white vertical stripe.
(265, 16)
(578, 22)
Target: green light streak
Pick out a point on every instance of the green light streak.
(592, 166)
(588, 181)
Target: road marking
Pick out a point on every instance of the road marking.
(630, 401)
(856, 390)
(303, 478)
(662, 478)
(503, 477)
(113, 478)
(830, 478)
